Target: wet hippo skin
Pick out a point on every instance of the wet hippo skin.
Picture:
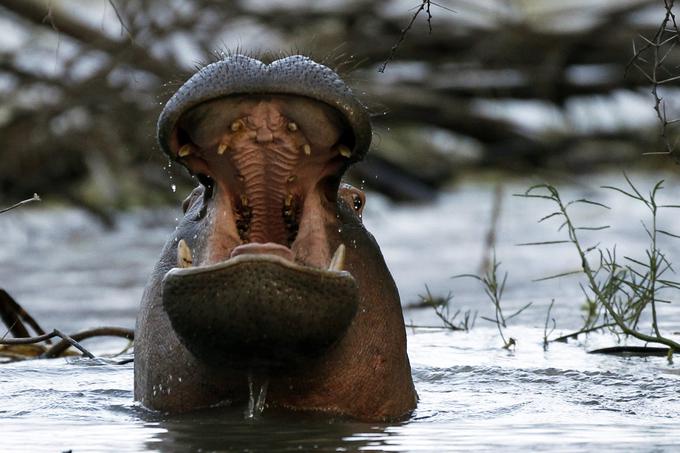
(271, 276)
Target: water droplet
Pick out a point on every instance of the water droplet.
(173, 187)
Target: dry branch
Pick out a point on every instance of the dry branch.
(50, 15)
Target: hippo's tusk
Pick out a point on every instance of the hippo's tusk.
(222, 148)
(184, 258)
(344, 151)
(184, 151)
(338, 260)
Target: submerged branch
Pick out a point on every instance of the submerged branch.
(59, 348)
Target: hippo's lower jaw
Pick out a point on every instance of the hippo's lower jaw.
(259, 309)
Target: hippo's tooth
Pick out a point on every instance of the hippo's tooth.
(307, 149)
(236, 125)
(184, 151)
(338, 260)
(184, 258)
(222, 148)
(344, 151)
(292, 127)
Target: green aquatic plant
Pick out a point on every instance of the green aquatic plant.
(442, 308)
(617, 293)
(493, 288)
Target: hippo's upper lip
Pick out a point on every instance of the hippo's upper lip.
(294, 75)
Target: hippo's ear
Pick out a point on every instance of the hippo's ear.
(353, 197)
(191, 199)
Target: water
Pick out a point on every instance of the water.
(474, 395)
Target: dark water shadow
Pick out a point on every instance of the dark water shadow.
(227, 429)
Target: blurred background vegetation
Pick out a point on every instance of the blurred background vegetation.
(516, 86)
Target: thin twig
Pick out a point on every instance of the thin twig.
(546, 334)
(122, 22)
(564, 338)
(35, 197)
(416, 326)
(651, 70)
(425, 5)
(491, 235)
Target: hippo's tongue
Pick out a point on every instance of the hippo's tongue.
(269, 248)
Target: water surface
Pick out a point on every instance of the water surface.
(474, 395)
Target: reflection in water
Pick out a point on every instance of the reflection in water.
(474, 396)
(225, 429)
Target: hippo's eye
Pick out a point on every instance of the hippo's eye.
(358, 203)
(352, 197)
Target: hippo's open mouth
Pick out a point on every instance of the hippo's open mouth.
(271, 167)
(262, 272)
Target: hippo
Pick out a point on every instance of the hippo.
(270, 279)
